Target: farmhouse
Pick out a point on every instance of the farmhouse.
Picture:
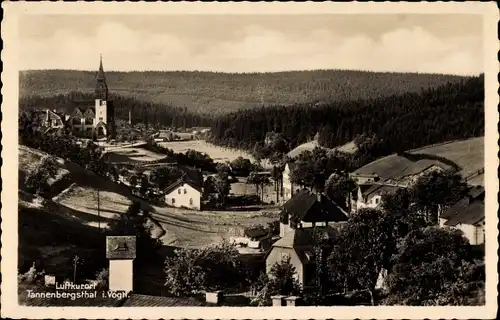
(388, 174)
(187, 191)
(467, 215)
(94, 118)
(304, 213)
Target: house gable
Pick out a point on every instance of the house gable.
(77, 113)
(89, 113)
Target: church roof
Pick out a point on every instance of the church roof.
(100, 73)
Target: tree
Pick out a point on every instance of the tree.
(362, 250)
(399, 205)
(259, 181)
(135, 222)
(281, 280)
(242, 166)
(37, 180)
(432, 266)
(162, 177)
(339, 187)
(436, 190)
(321, 284)
(217, 267)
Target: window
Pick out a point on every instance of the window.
(100, 118)
(377, 200)
(190, 201)
(173, 200)
(179, 191)
(185, 191)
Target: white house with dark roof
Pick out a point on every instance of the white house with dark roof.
(186, 192)
(297, 247)
(300, 217)
(467, 215)
(370, 195)
(308, 209)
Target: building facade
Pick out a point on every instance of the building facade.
(94, 119)
(187, 192)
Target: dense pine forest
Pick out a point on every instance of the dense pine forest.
(400, 122)
(141, 111)
(211, 92)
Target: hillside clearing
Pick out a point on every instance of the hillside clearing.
(467, 154)
(349, 147)
(218, 154)
(134, 156)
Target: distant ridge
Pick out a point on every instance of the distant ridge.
(210, 92)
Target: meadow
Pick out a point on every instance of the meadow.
(218, 154)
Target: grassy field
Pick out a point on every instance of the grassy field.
(134, 155)
(30, 158)
(217, 153)
(176, 227)
(467, 154)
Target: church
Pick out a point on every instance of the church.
(94, 119)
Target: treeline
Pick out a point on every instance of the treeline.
(211, 92)
(153, 114)
(400, 122)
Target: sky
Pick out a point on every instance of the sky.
(450, 44)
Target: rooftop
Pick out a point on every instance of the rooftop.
(139, 300)
(469, 210)
(120, 247)
(191, 176)
(465, 155)
(310, 207)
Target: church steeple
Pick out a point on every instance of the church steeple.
(101, 87)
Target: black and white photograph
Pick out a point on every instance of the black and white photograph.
(262, 159)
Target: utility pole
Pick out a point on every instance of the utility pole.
(98, 211)
(75, 264)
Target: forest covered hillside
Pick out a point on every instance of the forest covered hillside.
(210, 92)
(400, 122)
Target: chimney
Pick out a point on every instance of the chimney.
(292, 301)
(278, 301)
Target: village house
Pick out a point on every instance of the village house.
(370, 195)
(467, 215)
(288, 188)
(388, 174)
(254, 237)
(54, 120)
(186, 192)
(301, 216)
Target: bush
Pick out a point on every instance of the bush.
(31, 276)
(102, 278)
